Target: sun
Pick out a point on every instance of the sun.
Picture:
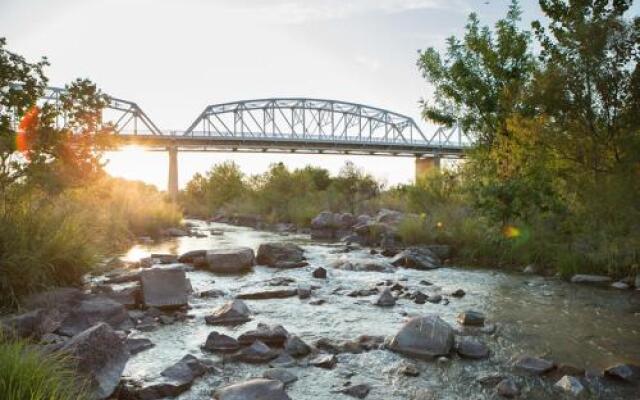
(138, 163)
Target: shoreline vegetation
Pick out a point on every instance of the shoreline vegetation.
(553, 181)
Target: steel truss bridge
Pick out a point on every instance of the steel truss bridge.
(285, 125)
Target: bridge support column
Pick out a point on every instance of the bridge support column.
(173, 173)
(424, 165)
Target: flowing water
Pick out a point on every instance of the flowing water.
(584, 326)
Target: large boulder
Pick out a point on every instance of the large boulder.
(254, 389)
(165, 287)
(328, 225)
(230, 260)
(100, 355)
(33, 324)
(281, 255)
(217, 342)
(91, 311)
(533, 365)
(424, 337)
(232, 313)
(192, 256)
(416, 258)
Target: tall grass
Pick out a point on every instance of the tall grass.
(28, 374)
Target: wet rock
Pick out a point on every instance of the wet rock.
(386, 299)
(217, 342)
(471, 318)
(620, 285)
(408, 369)
(268, 294)
(472, 348)
(280, 281)
(129, 297)
(416, 258)
(186, 370)
(33, 324)
(530, 269)
(156, 390)
(190, 257)
(434, 298)
(211, 294)
(165, 287)
(304, 291)
(317, 302)
(424, 394)
(458, 293)
(91, 311)
(570, 385)
(296, 347)
(507, 388)
(284, 360)
(591, 279)
(420, 298)
(137, 345)
(359, 391)
(280, 374)
(232, 313)
(424, 337)
(491, 379)
(257, 353)
(625, 372)
(362, 265)
(123, 277)
(100, 355)
(230, 260)
(254, 389)
(319, 273)
(280, 255)
(326, 361)
(272, 336)
(533, 365)
(363, 292)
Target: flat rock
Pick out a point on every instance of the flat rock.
(100, 355)
(217, 342)
(185, 371)
(271, 336)
(268, 294)
(232, 313)
(280, 374)
(230, 260)
(91, 311)
(257, 353)
(136, 345)
(533, 365)
(416, 258)
(362, 265)
(471, 348)
(284, 360)
(423, 337)
(359, 391)
(591, 279)
(190, 257)
(326, 361)
(570, 385)
(165, 287)
(471, 318)
(254, 389)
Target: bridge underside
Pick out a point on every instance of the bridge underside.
(302, 146)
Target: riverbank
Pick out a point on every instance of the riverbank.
(338, 318)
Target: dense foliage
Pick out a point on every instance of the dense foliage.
(59, 211)
(27, 374)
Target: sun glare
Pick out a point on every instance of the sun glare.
(138, 163)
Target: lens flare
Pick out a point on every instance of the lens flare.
(511, 232)
(26, 130)
(439, 225)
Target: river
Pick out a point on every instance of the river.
(588, 327)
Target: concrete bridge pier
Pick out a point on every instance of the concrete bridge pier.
(424, 165)
(173, 173)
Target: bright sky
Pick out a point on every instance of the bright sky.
(175, 57)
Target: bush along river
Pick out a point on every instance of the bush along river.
(232, 312)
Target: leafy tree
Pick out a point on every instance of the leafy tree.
(480, 81)
(353, 187)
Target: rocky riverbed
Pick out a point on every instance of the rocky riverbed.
(323, 320)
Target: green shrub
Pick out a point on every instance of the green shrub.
(28, 374)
